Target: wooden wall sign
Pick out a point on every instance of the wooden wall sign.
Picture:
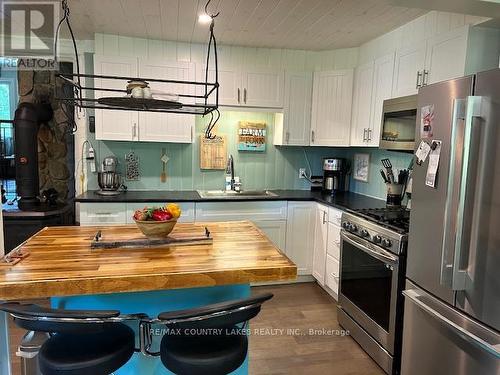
(213, 152)
(252, 136)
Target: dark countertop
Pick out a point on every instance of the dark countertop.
(340, 200)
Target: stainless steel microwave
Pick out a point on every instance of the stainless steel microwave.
(399, 116)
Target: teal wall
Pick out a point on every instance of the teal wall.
(277, 168)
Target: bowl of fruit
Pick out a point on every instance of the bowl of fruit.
(157, 222)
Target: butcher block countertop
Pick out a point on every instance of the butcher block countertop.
(62, 263)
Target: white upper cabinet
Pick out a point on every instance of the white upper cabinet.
(229, 85)
(382, 89)
(409, 69)
(293, 126)
(331, 108)
(446, 56)
(361, 105)
(168, 127)
(245, 87)
(114, 124)
(262, 88)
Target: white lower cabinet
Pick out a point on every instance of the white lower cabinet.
(320, 243)
(275, 230)
(332, 274)
(300, 235)
(103, 213)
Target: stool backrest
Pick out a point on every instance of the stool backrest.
(38, 318)
(220, 315)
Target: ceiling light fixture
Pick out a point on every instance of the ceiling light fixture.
(204, 19)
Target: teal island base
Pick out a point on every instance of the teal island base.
(152, 303)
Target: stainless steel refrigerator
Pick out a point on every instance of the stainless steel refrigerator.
(452, 292)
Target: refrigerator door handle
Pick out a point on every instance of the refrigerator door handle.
(417, 297)
(460, 276)
(451, 203)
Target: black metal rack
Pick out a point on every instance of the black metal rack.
(126, 103)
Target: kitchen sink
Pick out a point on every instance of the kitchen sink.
(236, 194)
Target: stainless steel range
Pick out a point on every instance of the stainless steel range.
(372, 273)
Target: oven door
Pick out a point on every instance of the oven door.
(368, 287)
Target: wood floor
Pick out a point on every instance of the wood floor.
(281, 342)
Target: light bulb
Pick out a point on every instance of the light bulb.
(204, 18)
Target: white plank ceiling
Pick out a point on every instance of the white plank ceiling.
(295, 24)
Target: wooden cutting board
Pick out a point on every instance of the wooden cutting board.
(213, 152)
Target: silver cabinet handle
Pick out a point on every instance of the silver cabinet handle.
(324, 217)
(369, 132)
(364, 135)
(425, 78)
(419, 75)
(239, 95)
(312, 136)
(287, 137)
(416, 297)
(245, 95)
(134, 130)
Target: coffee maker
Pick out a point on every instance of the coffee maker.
(335, 171)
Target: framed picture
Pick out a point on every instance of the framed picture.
(361, 167)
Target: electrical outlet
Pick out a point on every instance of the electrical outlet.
(302, 172)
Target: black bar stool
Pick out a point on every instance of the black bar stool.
(82, 342)
(209, 340)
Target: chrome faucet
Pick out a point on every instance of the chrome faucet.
(230, 170)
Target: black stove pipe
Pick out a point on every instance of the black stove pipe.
(27, 120)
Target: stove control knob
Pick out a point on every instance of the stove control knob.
(364, 233)
(386, 243)
(377, 239)
(346, 225)
(353, 227)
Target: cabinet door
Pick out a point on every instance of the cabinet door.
(362, 98)
(297, 109)
(275, 231)
(331, 108)
(300, 235)
(167, 127)
(262, 88)
(114, 125)
(446, 54)
(320, 244)
(382, 89)
(102, 213)
(230, 91)
(408, 62)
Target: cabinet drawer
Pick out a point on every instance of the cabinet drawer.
(332, 273)
(334, 215)
(333, 244)
(232, 211)
(103, 213)
(187, 215)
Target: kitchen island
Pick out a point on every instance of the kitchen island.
(62, 265)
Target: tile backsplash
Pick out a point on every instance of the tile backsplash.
(276, 168)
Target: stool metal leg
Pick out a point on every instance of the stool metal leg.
(4, 344)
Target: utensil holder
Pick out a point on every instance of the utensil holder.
(394, 195)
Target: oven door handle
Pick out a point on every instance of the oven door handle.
(369, 248)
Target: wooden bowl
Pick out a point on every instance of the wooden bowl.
(156, 229)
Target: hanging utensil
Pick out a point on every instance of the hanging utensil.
(382, 173)
(164, 159)
(388, 166)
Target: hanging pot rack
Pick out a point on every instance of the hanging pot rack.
(208, 102)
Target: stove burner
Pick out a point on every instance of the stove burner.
(393, 218)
